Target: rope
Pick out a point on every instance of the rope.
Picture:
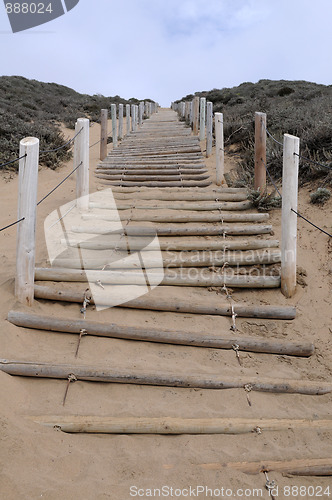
(309, 222)
(95, 143)
(271, 179)
(299, 215)
(61, 147)
(313, 161)
(12, 224)
(270, 135)
(12, 161)
(56, 187)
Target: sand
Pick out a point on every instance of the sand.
(37, 462)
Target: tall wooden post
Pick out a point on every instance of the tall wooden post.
(187, 112)
(209, 126)
(114, 126)
(26, 229)
(133, 119)
(140, 115)
(103, 133)
(136, 116)
(120, 133)
(219, 130)
(288, 217)
(195, 115)
(81, 155)
(202, 119)
(191, 116)
(128, 128)
(260, 151)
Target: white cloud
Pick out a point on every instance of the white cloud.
(164, 50)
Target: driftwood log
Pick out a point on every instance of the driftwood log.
(168, 278)
(189, 206)
(172, 305)
(156, 183)
(139, 243)
(176, 176)
(168, 425)
(175, 194)
(184, 216)
(297, 467)
(174, 230)
(199, 381)
(112, 330)
(174, 259)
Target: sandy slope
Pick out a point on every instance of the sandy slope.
(43, 463)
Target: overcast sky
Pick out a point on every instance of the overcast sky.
(165, 49)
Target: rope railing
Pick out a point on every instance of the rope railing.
(12, 161)
(60, 147)
(28, 187)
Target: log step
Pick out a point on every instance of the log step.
(198, 381)
(169, 425)
(172, 305)
(49, 323)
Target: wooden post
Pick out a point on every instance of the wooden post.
(26, 229)
(187, 112)
(103, 134)
(81, 154)
(289, 218)
(136, 115)
(202, 119)
(114, 126)
(140, 114)
(219, 128)
(120, 121)
(195, 115)
(260, 151)
(191, 113)
(209, 125)
(128, 119)
(133, 119)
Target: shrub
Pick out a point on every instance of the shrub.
(33, 108)
(320, 196)
(295, 107)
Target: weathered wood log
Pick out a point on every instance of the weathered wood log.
(191, 197)
(151, 172)
(137, 243)
(169, 425)
(184, 259)
(156, 183)
(174, 305)
(189, 206)
(112, 330)
(297, 467)
(145, 193)
(173, 230)
(184, 277)
(199, 381)
(183, 216)
(149, 178)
